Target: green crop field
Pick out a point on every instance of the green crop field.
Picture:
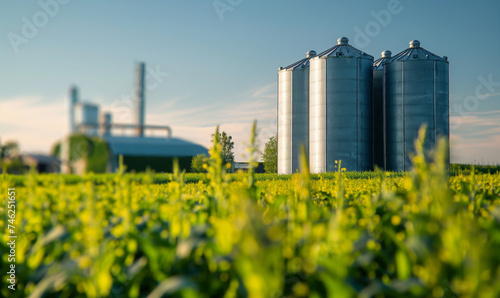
(425, 233)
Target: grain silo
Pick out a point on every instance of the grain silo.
(340, 110)
(293, 114)
(416, 93)
(379, 111)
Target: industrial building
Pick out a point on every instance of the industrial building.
(93, 139)
(342, 105)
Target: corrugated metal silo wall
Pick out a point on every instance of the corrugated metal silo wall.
(442, 95)
(341, 114)
(293, 118)
(300, 115)
(378, 118)
(284, 121)
(317, 116)
(416, 94)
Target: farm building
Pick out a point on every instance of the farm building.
(156, 153)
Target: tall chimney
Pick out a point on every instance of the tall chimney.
(73, 99)
(139, 98)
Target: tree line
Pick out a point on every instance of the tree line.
(269, 156)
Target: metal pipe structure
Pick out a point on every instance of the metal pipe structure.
(139, 98)
(416, 92)
(103, 126)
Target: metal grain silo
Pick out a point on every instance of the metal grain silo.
(293, 113)
(379, 111)
(340, 116)
(416, 93)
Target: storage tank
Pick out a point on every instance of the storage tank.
(379, 111)
(86, 118)
(293, 114)
(340, 116)
(416, 92)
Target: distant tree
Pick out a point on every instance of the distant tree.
(227, 144)
(10, 149)
(270, 156)
(14, 166)
(197, 163)
(10, 160)
(56, 149)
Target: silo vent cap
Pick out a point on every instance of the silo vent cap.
(311, 54)
(386, 54)
(343, 41)
(414, 44)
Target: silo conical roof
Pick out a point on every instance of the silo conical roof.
(302, 63)
(379, 63)
(343, 48)
(416, 52)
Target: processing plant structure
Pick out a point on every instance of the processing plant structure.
(92, 133)
(342, 105)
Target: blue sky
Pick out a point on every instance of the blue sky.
(217, 61)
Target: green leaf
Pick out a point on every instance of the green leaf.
(403, 265)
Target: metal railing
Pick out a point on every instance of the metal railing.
(105, 128)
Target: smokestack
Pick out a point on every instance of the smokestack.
(73, 99)
(139, 98)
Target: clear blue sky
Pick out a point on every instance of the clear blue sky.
(222, 65)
